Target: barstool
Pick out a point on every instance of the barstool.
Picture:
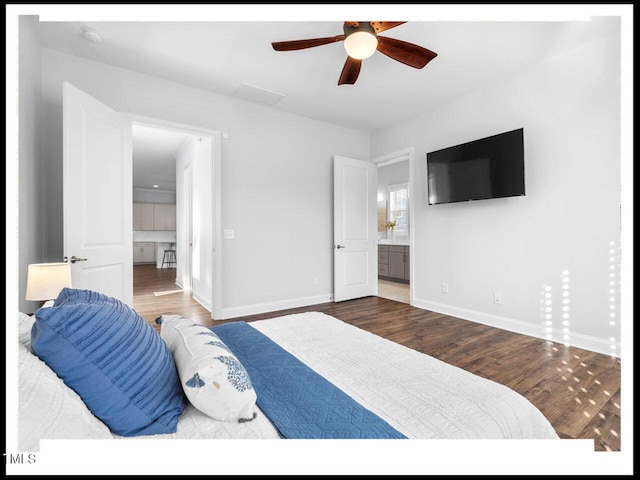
(169, 257)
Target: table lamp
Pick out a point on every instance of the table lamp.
(46, 280)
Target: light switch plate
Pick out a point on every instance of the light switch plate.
(228, 234)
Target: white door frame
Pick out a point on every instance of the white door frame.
(216, 298)
(396, 157)
(188, 223)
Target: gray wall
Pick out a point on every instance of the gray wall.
(31, 230)
(277, 190)
(563, 236)
(276, 174)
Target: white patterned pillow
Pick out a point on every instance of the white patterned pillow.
(49, 409)
(213, 379)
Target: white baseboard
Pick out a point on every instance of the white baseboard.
(234, 312)
(206, 303)
(586, 342)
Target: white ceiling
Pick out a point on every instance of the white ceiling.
(220, 56)
(154, 157)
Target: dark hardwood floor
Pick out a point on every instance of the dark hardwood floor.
(577, 390)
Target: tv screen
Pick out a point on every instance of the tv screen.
(491, 167)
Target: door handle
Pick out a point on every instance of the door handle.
(340, 246)
(75, 259)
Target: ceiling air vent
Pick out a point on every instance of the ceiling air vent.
(258, 95)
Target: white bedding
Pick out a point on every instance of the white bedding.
(417, 394)
(420, 396)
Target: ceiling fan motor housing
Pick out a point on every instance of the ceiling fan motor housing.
(358, 27)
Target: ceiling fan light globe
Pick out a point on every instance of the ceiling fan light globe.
(360, 45)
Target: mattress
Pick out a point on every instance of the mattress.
(420, 396)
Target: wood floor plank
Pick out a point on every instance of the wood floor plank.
(578, 391)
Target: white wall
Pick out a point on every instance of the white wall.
(391, 175)
(277, 189)
(161, 236)
(276, 178)
(30, 198)
(147, 195)
(196, 155)
(560, 233)
(184, 163)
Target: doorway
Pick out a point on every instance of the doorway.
(396, 291)
(154, 153)
(105, 141)
(189, 168)
(394, 209)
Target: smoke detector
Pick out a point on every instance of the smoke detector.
(91, 35)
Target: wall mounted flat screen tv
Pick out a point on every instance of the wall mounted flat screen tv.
(491, 167)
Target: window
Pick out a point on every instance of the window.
(399, 208)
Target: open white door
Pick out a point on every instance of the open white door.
(354, 232)
(97, 198)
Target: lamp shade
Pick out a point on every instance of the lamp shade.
(46, 280)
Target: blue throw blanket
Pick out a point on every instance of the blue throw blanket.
(298, 401)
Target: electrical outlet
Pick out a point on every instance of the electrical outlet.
(316, 280)
(229, 234)
(497, 298)
(445, 288)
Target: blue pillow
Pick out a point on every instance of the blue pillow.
(72, 296)
(113, 359)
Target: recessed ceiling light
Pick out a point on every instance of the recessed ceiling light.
(91, 35)
(156, 186)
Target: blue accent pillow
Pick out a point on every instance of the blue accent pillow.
(113, 359)
(72, 296)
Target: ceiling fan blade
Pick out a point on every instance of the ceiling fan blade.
(308, 43)
(405, 52)
(382, 26)
(350, 71)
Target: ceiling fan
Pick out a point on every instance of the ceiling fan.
(361, 40)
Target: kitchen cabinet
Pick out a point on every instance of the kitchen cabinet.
(164, 217)
(393, 262)
(171, 217)
(143, 216)
(383, 260)
(144, 252)
(154, 216)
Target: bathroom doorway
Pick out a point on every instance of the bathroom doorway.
(394, 226)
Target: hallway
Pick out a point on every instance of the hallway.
(149, 280)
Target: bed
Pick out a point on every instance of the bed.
(405, 393)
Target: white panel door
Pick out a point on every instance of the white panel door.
(355, 229)
(97, 198)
